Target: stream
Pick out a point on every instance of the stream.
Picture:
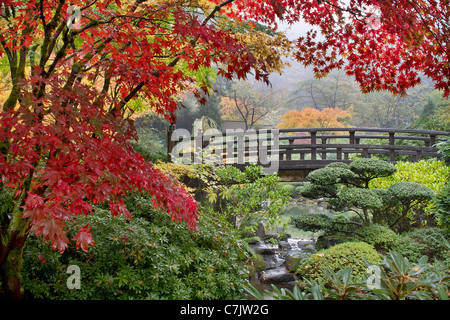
(279, 257)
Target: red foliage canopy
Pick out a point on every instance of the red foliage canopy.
(65, 127)
(385, 45)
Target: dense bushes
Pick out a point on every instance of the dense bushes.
(432, 174)
(247, 197)
(429, 241)
(396, 278)
(441, 206)
(403, 209)
(150, 257)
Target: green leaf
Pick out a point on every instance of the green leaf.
(317, 293)
(442, 293)
(250, 289)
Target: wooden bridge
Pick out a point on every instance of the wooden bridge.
(293, 153)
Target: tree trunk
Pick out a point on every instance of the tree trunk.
(10, 271)
(11, 255)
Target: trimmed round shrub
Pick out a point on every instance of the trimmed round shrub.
(372, 168)
(312, 222)
(289, 188)
(338, 165)
(380, 237)
(299, 190)
(315, 191)
(331, 175)
(360, 198)
(410, 191)
(347, 254)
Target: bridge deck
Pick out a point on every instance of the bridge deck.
(295, 152)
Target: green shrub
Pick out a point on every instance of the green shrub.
(444, 149)
(348, 254)
(299, 189)
(441, 207)
(6, 202)
(432, 174)
(372, 168)
(395, 279)
(360, 198)
(429, 241)
(404, 206)
(380, 237)
(150, 257)
(256, 263)
(313, 222)
(253, 199)
(289, 188)
(397, 203)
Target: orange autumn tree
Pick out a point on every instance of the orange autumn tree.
(314, 118)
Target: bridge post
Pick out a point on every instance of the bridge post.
(339, 153)
(289, 151)
(352, 136)
(391, 143)
(324, 154)
(313, 142)
(170, 143)
(432, 140)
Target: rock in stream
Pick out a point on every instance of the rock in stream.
(279, 258)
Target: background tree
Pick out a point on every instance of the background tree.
(313, 118)
(249, 103)
(333, 91)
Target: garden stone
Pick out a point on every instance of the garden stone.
(291, 256)
(284, 245)
(266, 249)
(277, 275)
(260, 231)
(273, 261)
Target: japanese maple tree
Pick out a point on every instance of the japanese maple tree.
(65, 126)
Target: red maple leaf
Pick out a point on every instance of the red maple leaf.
(84, 238)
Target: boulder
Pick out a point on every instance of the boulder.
(266, 248)
(285, 245)
(273, 261)
(277, 275)
(291, 258)
(260, 231)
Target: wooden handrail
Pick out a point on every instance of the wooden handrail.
(315, 143)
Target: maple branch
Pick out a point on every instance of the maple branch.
(193, 42)
(215, 10)
(41, 13)
(439, 42)
(356, 13)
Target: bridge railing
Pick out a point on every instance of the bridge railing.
(308, 147)
(318, 143)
